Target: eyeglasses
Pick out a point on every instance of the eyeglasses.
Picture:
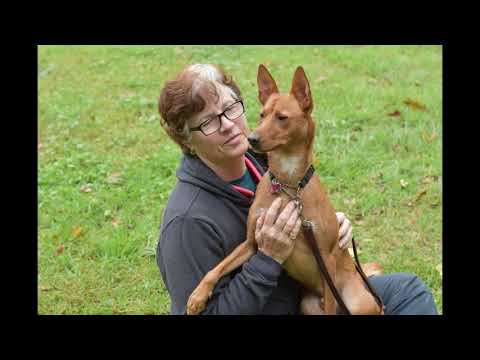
(213, 123)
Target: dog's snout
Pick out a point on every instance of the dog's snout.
(254, 140)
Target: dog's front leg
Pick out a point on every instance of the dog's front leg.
(330, 303)
(199, 297)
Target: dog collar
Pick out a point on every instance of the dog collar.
(277, 185)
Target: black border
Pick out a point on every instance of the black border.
(245, 37)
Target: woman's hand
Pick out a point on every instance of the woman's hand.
(275, 234)
(345, 231)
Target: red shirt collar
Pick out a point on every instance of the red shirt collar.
(256, 177)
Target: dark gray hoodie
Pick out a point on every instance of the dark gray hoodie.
(204, 221)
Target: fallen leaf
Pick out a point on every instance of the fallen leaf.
(403, 184)
(59, 250)
(382, 188)
(128, 94)
(429, 179)
(40, 146)
(395, 113)
(349, 202)
(45, 288)
(77, 232)
(428, 138)
(413, 221)
(116, 311)
(320, 79)
(420, 195)
(415, 105)
(114, 178)
(85, 188)
(396, 147)
(439, 269)
(387, 80)
(371, 269)
(116, 222)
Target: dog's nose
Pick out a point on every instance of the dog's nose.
(254, 140)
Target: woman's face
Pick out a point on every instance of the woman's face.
(230, 141)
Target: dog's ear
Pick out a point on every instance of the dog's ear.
(301, 90)
(266, 84)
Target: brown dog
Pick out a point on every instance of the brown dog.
(286, 132)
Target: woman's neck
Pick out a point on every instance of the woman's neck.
(228, 170)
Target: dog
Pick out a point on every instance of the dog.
(286, 133)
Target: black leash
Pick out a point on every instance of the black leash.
(365, 278)
(308, 233)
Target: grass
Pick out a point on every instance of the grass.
(106, 168)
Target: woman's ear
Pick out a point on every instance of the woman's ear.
(191, 149)
(189, 146)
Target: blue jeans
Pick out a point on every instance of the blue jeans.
(404, 294)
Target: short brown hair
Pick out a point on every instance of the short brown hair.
(186, 95)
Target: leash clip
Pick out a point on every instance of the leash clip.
(298, 205)
(307, 223)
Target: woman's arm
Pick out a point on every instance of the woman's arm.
(189, 248)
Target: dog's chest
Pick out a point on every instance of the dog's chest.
(289, 164)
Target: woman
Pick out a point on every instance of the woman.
(205, 218)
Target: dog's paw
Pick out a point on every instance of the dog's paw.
(371, 269)
(198, 300)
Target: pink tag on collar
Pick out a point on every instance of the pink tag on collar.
(276, 187)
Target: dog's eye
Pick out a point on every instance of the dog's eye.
(282, 117)
(262, 114)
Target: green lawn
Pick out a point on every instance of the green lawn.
(106, 168)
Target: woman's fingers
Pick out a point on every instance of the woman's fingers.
(259, 225)
(344, 227)
(272, 212)
(296, 229)
(285, 216)
(346, 239)
(291, 222)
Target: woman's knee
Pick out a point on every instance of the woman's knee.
(414, 282)
(417, 296)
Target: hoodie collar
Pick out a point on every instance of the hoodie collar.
(193, 170)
